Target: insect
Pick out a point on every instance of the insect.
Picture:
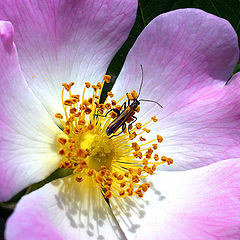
(127, 114)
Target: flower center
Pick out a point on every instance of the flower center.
(102, 151)
(98, 145)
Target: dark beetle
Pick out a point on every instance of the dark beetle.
(122, 117)
(127, 114)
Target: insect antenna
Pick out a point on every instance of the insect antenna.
(140, 88)
(146, 100)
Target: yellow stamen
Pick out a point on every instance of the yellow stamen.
(116, 164)
(107, 78)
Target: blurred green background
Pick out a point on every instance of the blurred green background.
(147, 10)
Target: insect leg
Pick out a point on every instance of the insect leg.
(114, 110)
(123, 128)
(135, 119)
(123, 106)
(128, 99)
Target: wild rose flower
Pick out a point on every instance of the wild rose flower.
(187, 57)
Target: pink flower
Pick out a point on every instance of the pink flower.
(187, 57)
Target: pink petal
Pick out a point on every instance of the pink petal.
(63, 208)
(187, 56)
(197, 204)
(64, 41)
(206, 129)
(28, 135)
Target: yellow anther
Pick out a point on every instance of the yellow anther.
(122, 184)
(59, 116)
(108, 194)
(103, 167)
(147, 184)
(97, 104)
(90, 126)
(108, 179)
(95, 88)
(130, 191)
(110, 94)
(66, 86)
(138, 125)
(87, 84)
(71, 84)
(135, 146)
(102, 172)
(90, 100)
(86, 103)
(73, 110)
(66, 164)
(164, 158)
(155, 146)
(62, 140)
(120, 177)
(81, 153)
(159, 138)
(135, 179)
(145, 162)
(126, 174)
(99, 85)
(61, 152)
(121, 193)
(142, 138)
(113, 102)
(169, 161)
(68, 102)
(139, 171)
(81, 107)
(71, 147)
(115, 174)
(137, 154)
(140, 194)
(134, 94)
(130, 97)
(146, 130)
(102, 106)
(108, 106)
(79, 179)
(75, 98)
(67, 131)
(130, 170)
(148, 156)
(154, 167)
(101, 111)
(143, 187)
(118, 107)
(83, 164)
(88, 110)
(113, 115)
(154, 118)
(156, 157)
(107, 78)
(81, 122)
(99, 179)
(132, 135)
(149, 151)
